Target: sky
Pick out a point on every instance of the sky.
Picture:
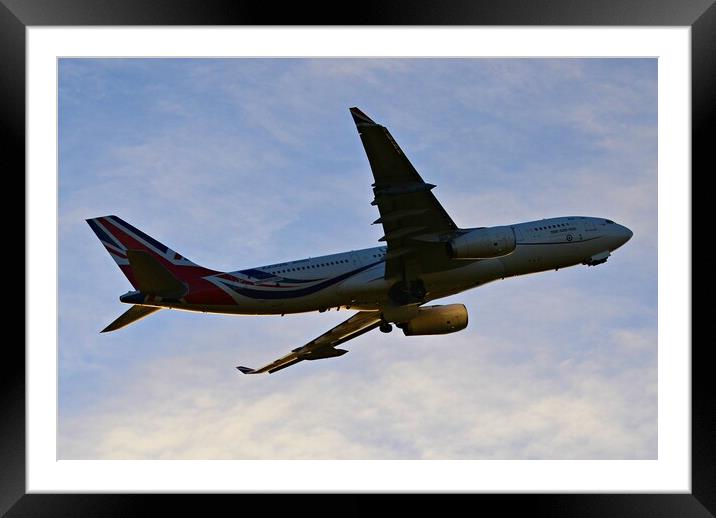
(237, 163)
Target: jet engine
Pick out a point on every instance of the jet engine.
(436, 320)
(483, 243)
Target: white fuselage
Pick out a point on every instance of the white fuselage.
(356, 279)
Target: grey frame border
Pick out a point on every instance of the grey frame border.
(700, 15)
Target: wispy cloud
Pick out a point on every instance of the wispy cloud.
(390, 398)
(238, 163)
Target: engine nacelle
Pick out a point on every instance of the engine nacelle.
(483, 243)
(436, 320)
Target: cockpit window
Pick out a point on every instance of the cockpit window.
(609, 221)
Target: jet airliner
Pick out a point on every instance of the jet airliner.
(424, 256)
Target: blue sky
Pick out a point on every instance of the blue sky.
(242, 162)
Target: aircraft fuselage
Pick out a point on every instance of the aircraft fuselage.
(356, 279)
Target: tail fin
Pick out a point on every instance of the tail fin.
(121, 239)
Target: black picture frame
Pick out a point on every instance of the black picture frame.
(700, 15)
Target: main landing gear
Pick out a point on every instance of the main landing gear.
(385, 327)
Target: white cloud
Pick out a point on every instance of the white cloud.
(443, 405)
(239, 163)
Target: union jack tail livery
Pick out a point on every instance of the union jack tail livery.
(119, 237)
(158, 273)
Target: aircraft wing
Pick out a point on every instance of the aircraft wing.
(413, 220)
(324, 346)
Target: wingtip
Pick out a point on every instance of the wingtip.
(246, 370)
(359, 117)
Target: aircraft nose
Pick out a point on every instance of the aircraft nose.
(622, 234)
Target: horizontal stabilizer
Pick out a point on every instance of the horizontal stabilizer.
(152, 278)
(129, 317)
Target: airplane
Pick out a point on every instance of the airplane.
(425, 257)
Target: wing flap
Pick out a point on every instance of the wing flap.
(323, 346)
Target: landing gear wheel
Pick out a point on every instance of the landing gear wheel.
(385, 327)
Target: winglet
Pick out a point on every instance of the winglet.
(359, 117)
(247, 370)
